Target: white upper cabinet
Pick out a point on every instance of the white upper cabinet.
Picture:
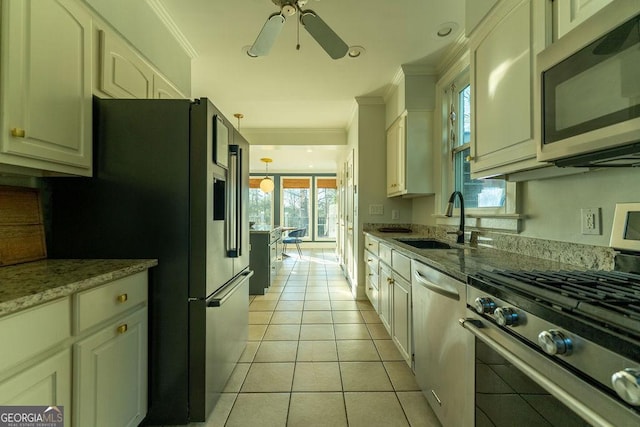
(503, 52)
(125, 74)
(570, 13)
(46, 86)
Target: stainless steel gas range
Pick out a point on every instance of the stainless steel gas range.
(555, 348)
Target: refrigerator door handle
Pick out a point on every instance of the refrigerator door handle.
(234, 223)
(221, 296)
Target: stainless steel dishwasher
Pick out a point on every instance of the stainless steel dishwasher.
(443, 355)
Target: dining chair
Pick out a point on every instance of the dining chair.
(294, 237)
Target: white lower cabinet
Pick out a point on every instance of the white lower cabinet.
(47, 383)
(402, 317)
(385, 296)
(110, 374)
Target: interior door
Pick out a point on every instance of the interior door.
(350, 252)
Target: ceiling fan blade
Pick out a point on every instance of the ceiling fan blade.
(325, 36)
(267, 36)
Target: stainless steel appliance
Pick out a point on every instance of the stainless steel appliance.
(171, 182)
(555, 348)
(441, 349)
(589, 107)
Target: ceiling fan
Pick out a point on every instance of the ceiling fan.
(319, 30)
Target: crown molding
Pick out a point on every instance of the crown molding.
(173, 28)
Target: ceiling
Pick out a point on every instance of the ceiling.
(306, 89)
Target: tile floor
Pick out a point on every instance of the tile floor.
(317, 357)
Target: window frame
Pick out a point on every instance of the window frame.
(283, 178)
(316, 210)
(459, 73)
(271, 198)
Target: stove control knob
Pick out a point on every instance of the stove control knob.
(506, 316)
(485, 305)
(627, 385)
(554, 342)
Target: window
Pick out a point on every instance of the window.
(296, 203)
(260, 206)
(477, 193)
(326, 208)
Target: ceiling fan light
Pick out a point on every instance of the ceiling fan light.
(267, 185)
(355, 51)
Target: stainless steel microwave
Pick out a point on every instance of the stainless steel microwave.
(589, 91)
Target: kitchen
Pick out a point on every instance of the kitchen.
(546, 210)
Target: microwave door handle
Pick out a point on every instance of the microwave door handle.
(233, 250)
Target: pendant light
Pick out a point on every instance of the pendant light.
(266, 184)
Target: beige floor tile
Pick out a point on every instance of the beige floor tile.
(276, 289)
(387, 350)
(260, 317)
(286, 318)
(317, 376)
(374, 409)
(221, 411)
(317, 410)
(277, 351)
(256, 332)
(317, 305)
(343, 294)
(294, 290)
(344, 305)
(402, 377)
(259, 409)
(249, 352)
(316, 317)
(316, 296)
(370, 317)
(350, 316)
(317, 351)
(364, 305)
(357, 351)
(293, 296)
(282, 333)
(352, 331)
(262, 305)
(378, 331)
(269, 296)
(268, 378)
(289, 305)
(364, 376)
(417, 409)
(316, 332)
(237, 378)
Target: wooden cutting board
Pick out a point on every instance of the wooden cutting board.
(21, 226)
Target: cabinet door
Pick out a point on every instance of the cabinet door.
(110, 374)
(395, 157)
(123, 74)
(570, 13)
(401, 330)
(162, 89)
(372, 288)
(46, 97)
(385, 297)
(502, 88)
(46, 383)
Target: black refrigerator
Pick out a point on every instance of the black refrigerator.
(171, 181)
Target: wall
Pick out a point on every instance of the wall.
(552, 206)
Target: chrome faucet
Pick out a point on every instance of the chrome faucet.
(449, 213)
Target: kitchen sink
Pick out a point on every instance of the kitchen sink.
(425, 243)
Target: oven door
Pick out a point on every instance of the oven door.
(515, 384)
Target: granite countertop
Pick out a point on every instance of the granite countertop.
(29, 284)
(463, 260)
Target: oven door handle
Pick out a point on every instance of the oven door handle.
(475, 327)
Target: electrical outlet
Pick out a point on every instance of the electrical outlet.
(395, 214)
(590, 219)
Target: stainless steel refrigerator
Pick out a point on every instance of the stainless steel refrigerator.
(171, 181)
